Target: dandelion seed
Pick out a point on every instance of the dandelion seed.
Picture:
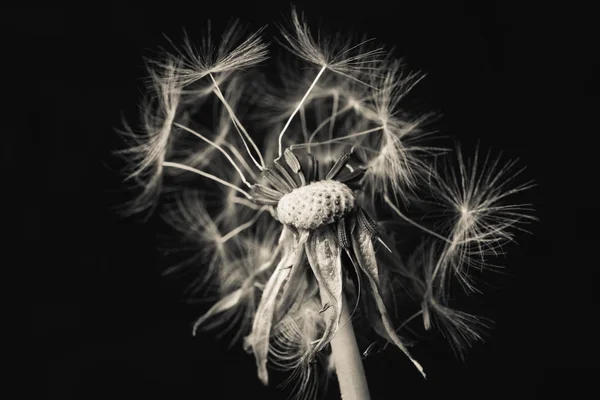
(483, 221)
(148, 150)
(233, 53)
(289, 234)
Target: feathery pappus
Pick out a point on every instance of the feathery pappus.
(300, 192)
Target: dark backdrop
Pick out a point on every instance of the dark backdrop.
(105, 325)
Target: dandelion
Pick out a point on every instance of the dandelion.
(289, 223)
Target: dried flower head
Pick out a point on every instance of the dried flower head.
(286, 222)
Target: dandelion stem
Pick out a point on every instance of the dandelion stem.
(347, 360)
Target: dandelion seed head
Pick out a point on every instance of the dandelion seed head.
(286, 193)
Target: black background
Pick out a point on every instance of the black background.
(105, 324)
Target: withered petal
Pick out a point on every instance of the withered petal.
(296, 282)
(365, 255)
(325, 258)
(258, 339)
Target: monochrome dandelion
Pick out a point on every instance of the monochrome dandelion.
(292, 189)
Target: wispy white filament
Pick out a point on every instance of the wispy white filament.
(243, 226)
(193, 132)
(339, 139)
(206, 175)
(410, 221)
(239, 127)
(298, 107)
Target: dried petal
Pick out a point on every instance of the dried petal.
(264, 195)
(337, 167)
(258, 339)
(324, 256)
(296, 282)
(292, 161)
(365, 255)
